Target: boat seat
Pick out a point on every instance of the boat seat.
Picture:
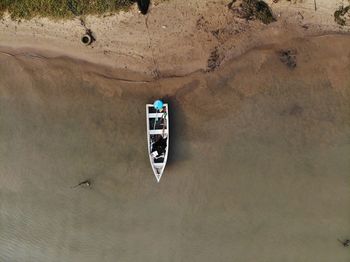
(158, 132)
(155, 115)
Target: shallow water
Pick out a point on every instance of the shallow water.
(258, 169)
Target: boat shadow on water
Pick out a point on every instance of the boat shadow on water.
(177, 133)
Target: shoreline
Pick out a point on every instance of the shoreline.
(126, 75)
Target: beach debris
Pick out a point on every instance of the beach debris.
(342, 15)
(88, 38)
(252, 9)
(214, 60)
(158, 105)
(143, 6)
(345, 243)
(288, 57)
(85, 183)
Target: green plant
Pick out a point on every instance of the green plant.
(252, 9)
(60, 8)
(340, 13)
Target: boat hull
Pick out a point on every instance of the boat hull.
(157, 138)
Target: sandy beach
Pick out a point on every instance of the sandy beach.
(175, 38)
(259, 161)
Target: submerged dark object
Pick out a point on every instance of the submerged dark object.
(143, 6)
(86, 183)
(345, 243)
(288, 57)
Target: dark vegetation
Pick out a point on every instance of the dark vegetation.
(26, 9)
(252, 9)
(339, 15)
(214, 60)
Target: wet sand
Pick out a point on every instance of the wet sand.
(258, 170)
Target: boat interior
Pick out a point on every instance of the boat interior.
(158, 134)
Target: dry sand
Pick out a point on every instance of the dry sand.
(259, 162)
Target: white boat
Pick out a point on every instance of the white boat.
(157, 138)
